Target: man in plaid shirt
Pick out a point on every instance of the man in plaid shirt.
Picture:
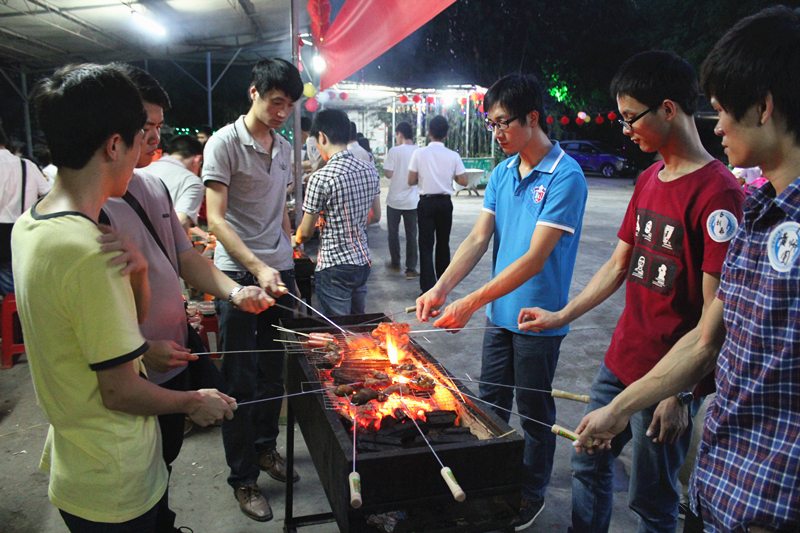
(747, 475)
(345, 193)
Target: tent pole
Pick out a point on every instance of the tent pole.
(394, 120)
(26, 110)
(469, 112)
(209, 88)
(294, 39)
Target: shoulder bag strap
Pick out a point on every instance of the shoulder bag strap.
(134, 203)
(24, 183)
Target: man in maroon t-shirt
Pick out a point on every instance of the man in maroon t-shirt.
(672, 244)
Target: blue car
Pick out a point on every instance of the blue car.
(597, 157)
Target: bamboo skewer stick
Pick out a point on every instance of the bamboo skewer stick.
(555, 393)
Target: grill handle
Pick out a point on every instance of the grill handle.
(355, 489)
(452, 484)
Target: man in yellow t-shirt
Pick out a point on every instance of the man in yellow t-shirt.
(80, 301)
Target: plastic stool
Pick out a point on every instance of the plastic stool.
(11, 331)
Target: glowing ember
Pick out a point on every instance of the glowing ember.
(391, 350)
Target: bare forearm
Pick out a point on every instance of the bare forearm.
(122, 390)
(201, 273)
(140, 284)
(603, 284)
(185, 221)
(234, 246)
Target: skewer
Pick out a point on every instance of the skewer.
(555, 428)
(289, 342)
(331, 322)
(287, 330)
(454, 330)
(447, 474)
(354, 477)
(555, 393)
(294, 394)
(243, 351)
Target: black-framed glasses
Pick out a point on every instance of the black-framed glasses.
(627, 125)
(501, 124)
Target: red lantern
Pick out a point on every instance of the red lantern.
(343, 96)
(300, 43)
(480, 108)
(430, 99)
(612, 116)
(564, 120)
(550, 120)
(403, 99)
(312, 105)
(474, 97)
(480, 96)
(599, 119)
(320, 13)
(579, 121)
(331, 95)
(417, 98)
(462, 100)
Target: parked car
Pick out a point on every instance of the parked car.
(597, 156)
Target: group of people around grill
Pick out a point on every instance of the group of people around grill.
(711, 286)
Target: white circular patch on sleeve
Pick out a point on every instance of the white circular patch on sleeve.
(721, 225)
(782, 246)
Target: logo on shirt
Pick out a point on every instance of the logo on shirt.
(661, 277)
(538, 193)
(783, 246)
(721, 225)
(666, 241)
(638, 271)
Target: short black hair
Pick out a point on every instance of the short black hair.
(305, 124)
(278, 74)
(353, 131)
(333, 123)
(363, 142)
(42, 155)
(759, 55)
(518, 94)
(654, 76)
(405, 129)
(437, 127)
(3, 137)
(184, 146)
(205, 128)
(149, 88)
(80, 106)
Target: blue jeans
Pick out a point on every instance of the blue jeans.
(393, 225)
(342, 289)
(525, 361)
(145, 523)
(652, 494)
(253, 431)
(6, 278)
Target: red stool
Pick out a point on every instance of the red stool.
(210, 325)
(11, 332)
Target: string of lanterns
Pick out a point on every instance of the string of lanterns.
(315, 98)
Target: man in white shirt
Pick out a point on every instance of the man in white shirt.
(16, 174)
(434, 168)
(356, 148)
(179, 169)
(402, 199)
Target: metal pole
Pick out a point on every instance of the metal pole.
(394, 125)
(294, 38)
(209, 88)
(26, 111)
(469, 112)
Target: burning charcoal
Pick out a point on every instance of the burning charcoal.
(388, 422)
(378, 439)
(441, 419)
(456, 431)
(404, 431)
(449, 439)
(400, 414)
(364, 395)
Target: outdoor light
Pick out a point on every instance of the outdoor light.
(148, 24)
(447, 100)
(319, 63)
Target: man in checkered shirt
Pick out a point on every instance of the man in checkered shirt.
(747, 475)
(345, 193)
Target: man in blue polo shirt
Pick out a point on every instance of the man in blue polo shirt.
(534, 208)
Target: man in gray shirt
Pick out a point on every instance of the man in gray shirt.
(179, 169)
(246, 171)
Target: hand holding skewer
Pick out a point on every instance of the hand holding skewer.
(429, 303)
(598, 428)
(536, 319)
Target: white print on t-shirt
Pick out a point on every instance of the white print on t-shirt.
(639, 270)
(782, 246)
(665, 240)
(662, 276)
(648, 231)
(638, 229)
(721, 225)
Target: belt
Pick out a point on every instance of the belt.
(437, 194)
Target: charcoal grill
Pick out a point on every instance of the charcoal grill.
(403, 478)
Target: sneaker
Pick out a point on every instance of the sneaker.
(273, 464)
(253, 504)
(411, 274)
(528, 512)
(684, 510)
(393, 266)
(183, 529)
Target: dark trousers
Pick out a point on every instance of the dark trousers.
(253, 431)
(435, 218)
(410, 223)
(141, 524)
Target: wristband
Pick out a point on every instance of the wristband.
(233, 293)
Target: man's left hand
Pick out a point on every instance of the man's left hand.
(456, 315)
(670, 420)
(252, 299)
(130, 256)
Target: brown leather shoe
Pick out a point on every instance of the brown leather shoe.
(253, 503)
(273, 464)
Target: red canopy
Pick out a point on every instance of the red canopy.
(364, 29)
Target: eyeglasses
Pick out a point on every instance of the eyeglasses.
(627, 125)
(501, 124)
